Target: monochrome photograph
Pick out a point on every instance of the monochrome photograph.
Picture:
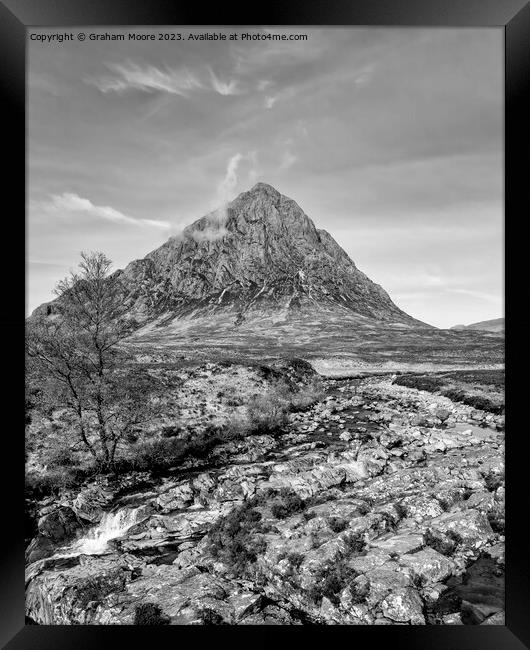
(264, 326)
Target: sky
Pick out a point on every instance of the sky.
(391, 139)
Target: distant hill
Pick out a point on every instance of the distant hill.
(494, 325)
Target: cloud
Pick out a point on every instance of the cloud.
(147, 78)
(209, 234)
(224, 88)
(363, 76)
(273, 55)
(68, 203)
(253, 171)
(270, 101)
(263, 83)
(288, 160)
(479, 295)
(226, 188)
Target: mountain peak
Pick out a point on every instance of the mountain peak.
(259, 257)
(263, 187)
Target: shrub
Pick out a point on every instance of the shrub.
(39, 486)
(235, 428)
(295, 559)
(419, 382)
(158, 454)
(164, 453)
(401, 510)
(454, 394)
(455, 537)
(337, 524)
(60, 457)
(306, 396)
(331, 580)
(497, 521)
(233, 541)
(493, 480)
(287, 503)
(170, 431)
(483, 404)
(354, 545)
(443, 414)
(363, 509)
(445, 546)
(267, 413)
(211, 617)
(149, 614)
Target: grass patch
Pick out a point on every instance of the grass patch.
(480, 389)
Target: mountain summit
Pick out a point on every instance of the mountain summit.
(258, 261)
(260, 256)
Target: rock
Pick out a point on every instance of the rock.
(270, 615)
(452, 619)
(476, 613)
(497, 552)
(176, 498)
(91, 502)
(73, 595)
(59, 525)
(421, 507)
(389, 492)
(384, 580)
(244, 604)
(404, 606)
(495, 619)
(428, 565)
(400, 544)
(39, 548)
(471, 526)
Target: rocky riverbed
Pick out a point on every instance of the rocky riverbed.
(380, 504)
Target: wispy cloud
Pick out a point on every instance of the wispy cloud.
(253, 171)
(288, 158)
(227, 186)
(69, 203)
(223, 87)
(270, 101)
(209, 234)
(277, 53)
(175, 81)
(363, 76)
(147, 78)
(263, 83)
(479, 295)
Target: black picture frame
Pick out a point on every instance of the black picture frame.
(511, 15)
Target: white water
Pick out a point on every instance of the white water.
(111, 526)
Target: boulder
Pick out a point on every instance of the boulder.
(404, 606)
(59, 525)
(428, 565)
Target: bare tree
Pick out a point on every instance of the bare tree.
(75, 355)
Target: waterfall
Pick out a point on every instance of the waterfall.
(111, 526)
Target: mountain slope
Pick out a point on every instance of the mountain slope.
(493, 325)
(260, 257)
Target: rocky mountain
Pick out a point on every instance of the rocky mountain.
(259, 257)
(493, 325)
